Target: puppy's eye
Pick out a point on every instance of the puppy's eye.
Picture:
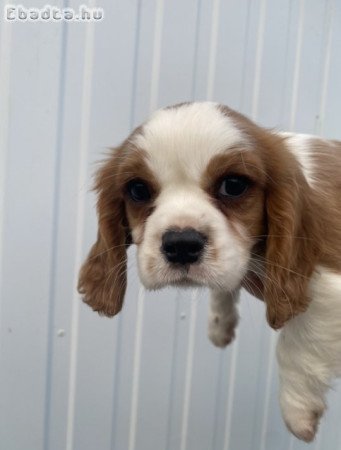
(234, 186)
(138, 191)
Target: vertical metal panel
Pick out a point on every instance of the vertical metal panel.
(28, 229)
(311, 66)
(5, 70)
(331, 124)
(231, 58)
(84, 125)
(71, 194)
(176, 66)
(110, 97)
(148, 379)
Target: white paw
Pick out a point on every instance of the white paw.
(303, 423)
(221, 332)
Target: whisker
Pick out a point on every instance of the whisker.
(263, 259)
(106, 251)
(281, 235)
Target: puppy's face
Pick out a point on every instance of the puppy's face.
(196, 209)
(191, 188)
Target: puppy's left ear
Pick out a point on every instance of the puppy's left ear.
(103, 279)
(292, 238)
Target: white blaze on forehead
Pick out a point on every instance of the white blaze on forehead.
(301, 146)
(181, 141)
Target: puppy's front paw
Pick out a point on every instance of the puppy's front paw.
(221, 332)
(303, 423)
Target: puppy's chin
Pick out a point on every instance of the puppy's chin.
(187, 283)
(183, 277)
(196, 276)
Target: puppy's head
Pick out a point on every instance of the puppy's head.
(208, 197)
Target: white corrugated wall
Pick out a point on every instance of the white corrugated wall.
(148, 379)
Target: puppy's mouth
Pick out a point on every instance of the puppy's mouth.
(189, 275)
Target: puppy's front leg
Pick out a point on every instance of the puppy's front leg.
(223, 317)
(305, 369)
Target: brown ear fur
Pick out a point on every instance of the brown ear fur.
(102, 278)
(293, 243)
(292, 237)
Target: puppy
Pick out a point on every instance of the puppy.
(211, 199)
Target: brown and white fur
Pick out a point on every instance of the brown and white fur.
(280, 239)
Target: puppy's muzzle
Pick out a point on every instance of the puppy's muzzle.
(183, 246)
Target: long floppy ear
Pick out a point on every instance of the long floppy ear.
(292, 237)
(102, 279)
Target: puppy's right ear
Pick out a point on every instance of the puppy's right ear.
(103, 278)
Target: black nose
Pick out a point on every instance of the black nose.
(183, 247)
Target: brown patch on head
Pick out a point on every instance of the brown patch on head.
(243, 123)
(102, 279)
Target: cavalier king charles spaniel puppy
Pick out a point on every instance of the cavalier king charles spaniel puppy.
(211, 199)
